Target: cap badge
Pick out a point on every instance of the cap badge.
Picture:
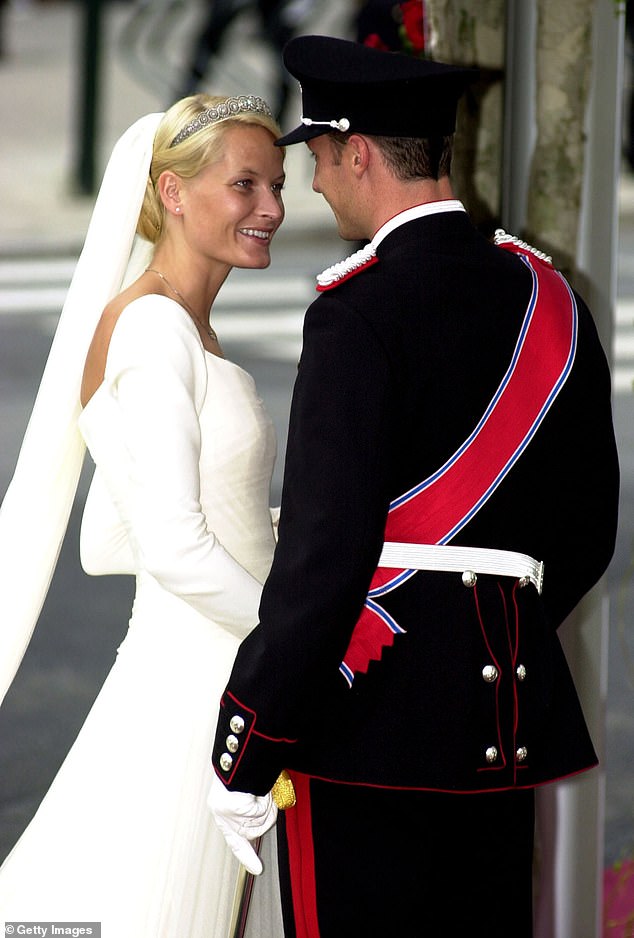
(342, 124)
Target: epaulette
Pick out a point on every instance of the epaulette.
(501, 238)
(333, 276)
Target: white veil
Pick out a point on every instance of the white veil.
(35, 511)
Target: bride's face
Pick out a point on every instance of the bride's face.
(233, 207)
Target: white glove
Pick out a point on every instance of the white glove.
(242, 817)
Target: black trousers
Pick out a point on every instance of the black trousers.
(373, 863)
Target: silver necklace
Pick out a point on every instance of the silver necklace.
(204, 326)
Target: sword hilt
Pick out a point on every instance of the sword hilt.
(283, 794)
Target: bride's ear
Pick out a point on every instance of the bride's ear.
(169, 188)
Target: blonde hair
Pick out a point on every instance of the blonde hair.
(192, 154)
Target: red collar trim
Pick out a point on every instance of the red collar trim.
(345, 274)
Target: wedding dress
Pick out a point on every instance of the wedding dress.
(184, 452)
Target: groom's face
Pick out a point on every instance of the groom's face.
(334, 180)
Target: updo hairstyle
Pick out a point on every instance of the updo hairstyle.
(191, 155)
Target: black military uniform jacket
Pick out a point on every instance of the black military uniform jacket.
(398, 364)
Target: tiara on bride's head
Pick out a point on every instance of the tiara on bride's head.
(243, 104)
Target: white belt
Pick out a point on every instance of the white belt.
(465, 560)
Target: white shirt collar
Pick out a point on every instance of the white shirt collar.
(360, 258)
(417, 211)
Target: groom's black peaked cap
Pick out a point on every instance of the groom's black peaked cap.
(349, 86)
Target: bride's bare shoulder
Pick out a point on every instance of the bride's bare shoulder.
(95, 365)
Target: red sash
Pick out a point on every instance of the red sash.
(434, 511)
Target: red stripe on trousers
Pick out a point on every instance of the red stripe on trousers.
(301, 857)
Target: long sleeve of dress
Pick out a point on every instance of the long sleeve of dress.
(154, 385)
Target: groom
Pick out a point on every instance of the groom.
(450, 494)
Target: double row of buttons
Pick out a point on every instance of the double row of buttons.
(236, 725)
(469, 579)
(490, 674)
(491, 754)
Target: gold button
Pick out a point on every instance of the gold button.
(469, 578)
(490, 673)
(232, 743)
(521, 672)
(521, 754)
(491, 754)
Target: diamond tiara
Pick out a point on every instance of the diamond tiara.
(244, 103)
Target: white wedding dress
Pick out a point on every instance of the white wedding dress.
(184, 452)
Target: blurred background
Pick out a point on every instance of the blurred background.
(73, 76)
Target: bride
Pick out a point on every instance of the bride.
(184, 452)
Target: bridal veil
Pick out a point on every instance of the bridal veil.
(35, 510)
